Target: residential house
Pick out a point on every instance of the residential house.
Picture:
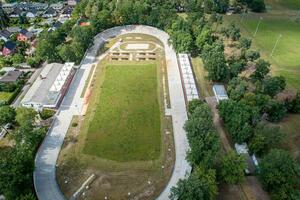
(55, 26)
(15, 13)
(57, 6)
(72, 2)
(9, 7)
(25, 35)
(13, 29)
(29, 6)
(67, 11)
(49, 13)
(9, 48)
(5, 35)
(33, 13)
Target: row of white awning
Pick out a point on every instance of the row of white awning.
(62, 77)
(188, 77)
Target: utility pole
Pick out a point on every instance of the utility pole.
(257, 27)
(276, 43)
(243, 15)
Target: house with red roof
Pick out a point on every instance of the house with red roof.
(9, 48)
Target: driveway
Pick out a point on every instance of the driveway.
(44, 174)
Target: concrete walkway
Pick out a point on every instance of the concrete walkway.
(44, 174)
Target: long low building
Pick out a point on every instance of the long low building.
(50, 87)
(187, 76)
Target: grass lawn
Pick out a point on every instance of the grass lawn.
(286, 59)
(204, 85)
(290, 126)
(5, 96)
(291, 4)
(125, 125)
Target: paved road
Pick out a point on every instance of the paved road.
(44, 175)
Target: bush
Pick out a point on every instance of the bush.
(47, 113)
(74, 124)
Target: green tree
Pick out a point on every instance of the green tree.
(245, 43)
(262, 69)
(239, 119)
(203, 149)
(195, 103)
(273, 85)
(252, 55)
(265, 138)
(214, 62)
(280, 174)
(257, 5)
(204, 38)
(4, 20)
(200, 122)
(7, 115)
(25, 116)
(232, 32)
(294, 105)
(237, 88)
(275, 110)
(200, 185)
(232, 168)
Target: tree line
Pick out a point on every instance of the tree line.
(17, 159)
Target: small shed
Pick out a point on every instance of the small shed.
(220, 92)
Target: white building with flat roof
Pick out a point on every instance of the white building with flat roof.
(220, 92)
(50, 87)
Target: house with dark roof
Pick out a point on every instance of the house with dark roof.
(67, 11)
(15, 13)
(5, 35)
(9, 48)
(10, 77)
(25, 35)
(50, 12)
(55, 26)
(57, 6)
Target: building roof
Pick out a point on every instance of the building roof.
(46, 89)
(50, 11)
(68, 10)
(188, 77)
(10, 45)
(5, 33)
(7, 69)
(11, 76)
(13, 29)
(57, 24)
(16, 11)
(26, 33)
(220, 92)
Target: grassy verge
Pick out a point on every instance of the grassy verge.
(87, 81)
(5, 96)
(204, 86)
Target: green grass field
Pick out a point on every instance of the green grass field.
(285, 60)
(291, 4)
(125, 125)
(5, 96)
